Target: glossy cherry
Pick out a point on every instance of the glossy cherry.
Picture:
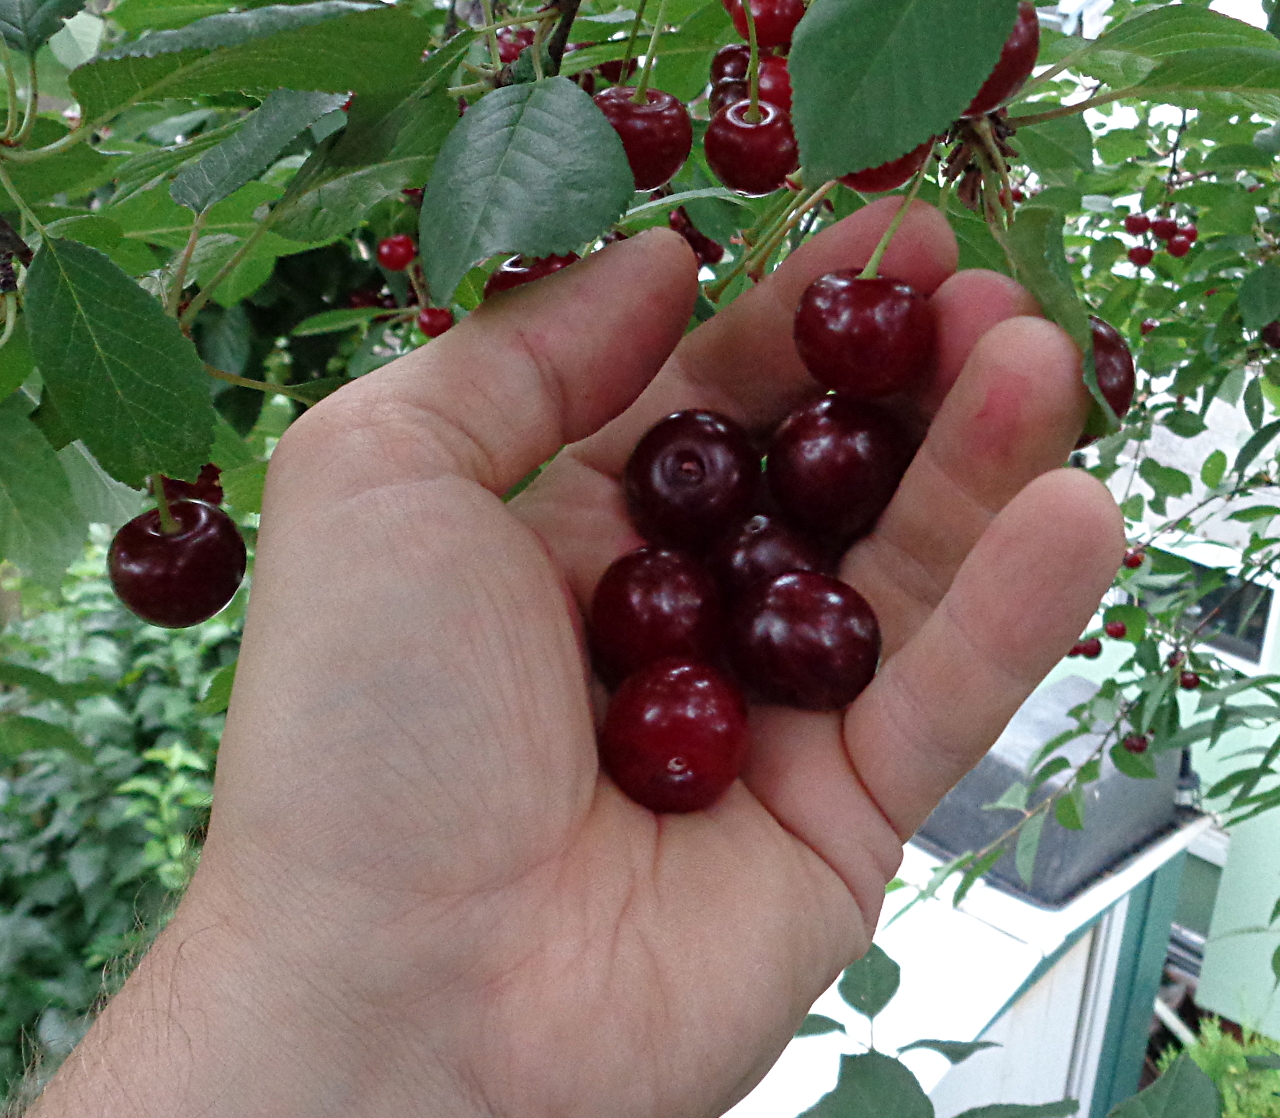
(691, 478)
(651, 604)
(1271, 335)
(751, 157)
(206, 487)
(1137, 224)
(761, 550)
(1189, 231)
(1188, 681)
(1141, 256)
(1133, 559)
(434, 321)
(1091, 649)
(656, 135)
(1013, 68)
(1116, 630)
(1162, 228)
(732, 61)
(1135, 743)
(675, 736)
(889, 176)
(181, 579)
(806, 640)
(397, 253)
(1114, 365)
(518, 270)
(1148, 324)
(612, 71)
(708, 252)
(864, 338)
(1178, 246)
(512, 41)
(775, 20)
(774, 86)
(834, 465)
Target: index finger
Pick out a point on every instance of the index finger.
(743, 362)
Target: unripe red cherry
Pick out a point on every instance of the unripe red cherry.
(1137, 224)
(181, 579)
(864, 338)
(397, 253)
(1141, 256)
(775, 20)
(434, 321)
(731, 62)
(889, 176)
(1188, 681)
(1133, 559)
(1148, 324)
(1178, 246)
(207, 487)
(657, 135)
(1013, 68)
(834, 465)
(1116, 630)
(758, 552)
(691, 479)
(675, 736)
(512, 41)
(1162, 228)
(751, 157)
(1091, 649)
(806, 640)
(1135, 744)
(651, 604)
(517, 270)
(1271, 335)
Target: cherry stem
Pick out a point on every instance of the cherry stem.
(11, 122)
(261, 385)
(202, 296)
(184, 261)
(642, 88)
(495, 53)
(33, 97)
(1078, 107)
(753, 69)
(10, 317)
(873, 265)
(996, 158)
(168, 525)
(631, 39)
(419, 284)
(23, 208)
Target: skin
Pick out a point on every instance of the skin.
(418, 895)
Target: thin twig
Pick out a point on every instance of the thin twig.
(260, 385)
(560, 37)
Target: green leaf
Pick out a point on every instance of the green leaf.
(1255, 446)
(1012, 798)
(38, 684)
(1069, 810)
(1247, 70)
(1062, 1109)
(1173, 30)
(15, 361)
(1063, 145)
(1185, 424)
(331, 46)
(1028, 845)
(244, 155)
(243, 486)
(73, 172)
(122, 374)
(28, 24)
(869, 984)
(1263, 1063)
(98, 495)
(1259, 297)
(956, 1051)
(331, 322)
(19, 735)
(873, 79)
(1165, 480)
(1048, 770)
(218, 697)
(873, 1083)
(1134, 619)
(1275, 964)
(1184, 1091)
(1214, 469)
(818, 1025)
(143, 171)
(42, 530)
(136, 16)
(533, 169)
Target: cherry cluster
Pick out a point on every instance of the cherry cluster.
(1091, 647)
(734, 593)
(1177, 239)
(182, 572)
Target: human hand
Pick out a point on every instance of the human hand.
(418, 894)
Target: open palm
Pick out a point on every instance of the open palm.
(409, 822)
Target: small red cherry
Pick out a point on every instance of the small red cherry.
(365, 297)
(518, 270)
(1117, 630)
(726, 93)
(1133, 559)
(1162, 228)
(1188, 681)
(397, 253)
(1190, 232)
(775, 82)
(864, 338)
(675, 736)
(1141, 256)
(1091, 649)
(1178, 246)
(1148, 324)
(708, 252)
(889, 176)
(612, 71)
(413, 195)
(512, 41)
(1019, 195)
(1137, 224)
(1136, 743)
(434, 321)
(1175, 658)
(751, 157)
(206, 487)
(1075, 649)
(1271, 335)
(1013, 68)
(775, 20)
(657, 135)
(1113, 363)
(761, 550)
(732, 61)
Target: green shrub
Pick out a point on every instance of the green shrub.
(1246, 1092)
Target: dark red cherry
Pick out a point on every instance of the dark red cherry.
(690, 479)
(864, 338)
(1271, 335)
(1188, 681)
(732, 61)
(675, 736)
(397, 253)
(889, 176)
(1116, 630)
(1137, 224)
(181, 579)
(1091, 649)
(775, 82)
(1178, 246)
(1013, 68)
(206, 487)
(775, 20)
(1135, 743)
(708, 252)
(726, 93)
(365, 297)
(761, 550)
(651, 604)
(1147, 325)
(1114, 364)
(806, 640)
(1141, 256)
(657, 135)
(1133, 559)
(517, 270)
(751, 157)
(512, 41)
(1162, 228)
(612, 71)
(434, 321)
(834, 465)
(1175, 658)
(1190, 233)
